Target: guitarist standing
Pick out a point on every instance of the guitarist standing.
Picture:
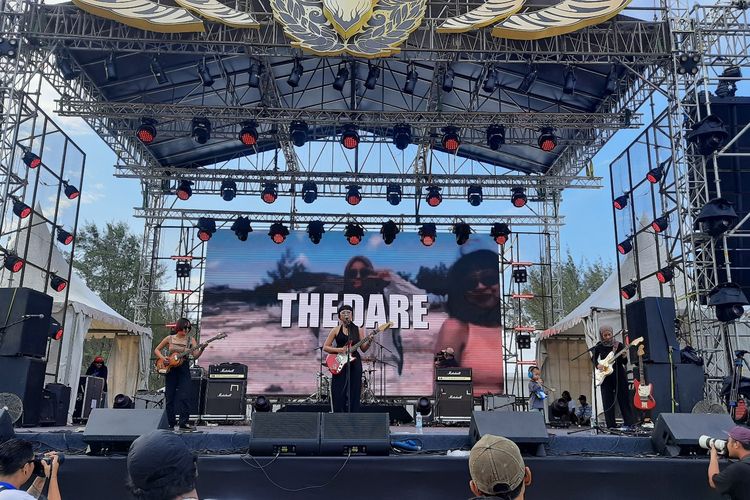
(177, 380)
(615, 386)
(346, 386)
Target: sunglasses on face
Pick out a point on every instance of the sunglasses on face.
(487, 277)
(358, 273)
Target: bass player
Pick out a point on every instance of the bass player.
(615, 386)
(346, 386)
(177, 380)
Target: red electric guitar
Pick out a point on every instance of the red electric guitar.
(337, 362)
(643, 399)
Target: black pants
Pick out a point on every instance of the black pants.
(177, 393)
(616, 385)
(346, 387)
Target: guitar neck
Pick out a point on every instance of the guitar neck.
(354, 347)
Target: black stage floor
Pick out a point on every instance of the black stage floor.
(580, 466)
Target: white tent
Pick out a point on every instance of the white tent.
(86, 316)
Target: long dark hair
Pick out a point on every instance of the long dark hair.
(462, 279)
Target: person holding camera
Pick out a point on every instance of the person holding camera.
(18, 463)
(735, 479)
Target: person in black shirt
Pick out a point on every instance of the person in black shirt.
(615, 386)
(735, 479)
(446, 358)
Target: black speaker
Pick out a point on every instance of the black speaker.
(6, 426)
(689, 381)
(454, 401)
(355, 434)
(225, 400)
(286, 433)
(24, 377)
(525, 428)
(677, 433)
(61, 394)
(24, 336)
(47, 408)
(653, 319)
(117, 428)
(89, 396)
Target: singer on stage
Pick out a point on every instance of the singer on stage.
(346, 387)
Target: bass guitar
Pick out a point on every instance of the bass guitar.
(644, 393)
(337, 362)
(177, 358)
(608, 362)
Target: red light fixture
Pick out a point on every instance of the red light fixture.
(57, 283)
(353, 195)
(64, 237)
(55, 330)
(660, 224)
(665, 274)
(30, 159)
(434, 198)
(146, 133)
(620, 202)
(519, 198)
(350, 137)
(625, 246)
(21, 209)
(451, 140)
(428, 234)
(500, 233)
(184, 190)
(249, 134)
(270, 192)
(206, 228)
(547, 140)
(13, 263)
(71, 191)
(655, 174)
(278, 232)
(628, 291)
(354, 233)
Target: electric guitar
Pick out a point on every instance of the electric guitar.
(177, 358)
(609, 361)
(337, 362)
(643, 399)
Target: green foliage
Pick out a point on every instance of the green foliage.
(433, 280)
(286, 267)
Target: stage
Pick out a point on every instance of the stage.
(583, 465)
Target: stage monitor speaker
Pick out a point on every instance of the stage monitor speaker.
(653, 319)
(287, 433)
(116, 429)
(24, 336)
(689, 381)
(355, 434)
(677, 433)
(225, 400)
(24, 377)
(454, 401)
(525, 428)
(6, 426)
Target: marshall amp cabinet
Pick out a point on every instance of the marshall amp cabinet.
(454, 395)
(225, 392)
(227, 371)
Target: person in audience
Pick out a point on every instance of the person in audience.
(733, 481)
(569, 401)
(583, 411)
(16, 468)
(497, 469)
(161, 467)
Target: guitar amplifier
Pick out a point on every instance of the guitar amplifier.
(453, 374)
(90, 391)
(228, 371)
(454, 402)
(225, 400)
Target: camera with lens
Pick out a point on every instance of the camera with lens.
(38, 459)
(705, 442)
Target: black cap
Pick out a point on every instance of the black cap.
(158, 458)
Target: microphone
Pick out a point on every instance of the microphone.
(27, 316)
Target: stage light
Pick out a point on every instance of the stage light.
(270, 192)
(296, 74)
(206, 228)
(315, 230)
(184, 189)
(612, 83)
(373, 73)
(688, 63)
(353, 196)
(628, 291)
(495, 136)
(64, 237)
(55, 330)
(729, 300)
(66, 68)
(393, 194)
(57, 283)
(298, 133)
(411, 80)
(123, 402)
(474, 195)
(660, 224)
(528, 80)
(201, 130)
(13, 263)
(249, 133)
(434, 198)
(110, 67)
(309, 191)
(518, 198)
(157, 71)
(490, 81)
(500, 233)
(146, 132)
(462, 232)
(547, 140)
(716, 217)
(253, 73)
(655, 174)
(389, 230)
(241, 227)
(262, 404)
(424, 406)
(665, 274)
(182, 269)
(349, 137)
(621, 202)
(520, 275)
(228, 189)
(354, 233)
(71, 191)
(30, 159)
(402, 136)
(625, 246)
(428, 234)
(205, 75)
(448, 78)
(451, 140)
(709, 135)
(523, 341)
(569, 85)
(341, 77)
(21, 209)
(278, 232)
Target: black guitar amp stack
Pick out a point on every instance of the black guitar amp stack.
(225, 393)
(454, 395)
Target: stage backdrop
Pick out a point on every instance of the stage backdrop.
(277, 304)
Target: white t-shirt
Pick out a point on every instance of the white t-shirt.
(15, 495)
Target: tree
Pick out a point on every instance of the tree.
(433, 280)
(286, 267)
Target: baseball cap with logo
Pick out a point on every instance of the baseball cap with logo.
(495, 465)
